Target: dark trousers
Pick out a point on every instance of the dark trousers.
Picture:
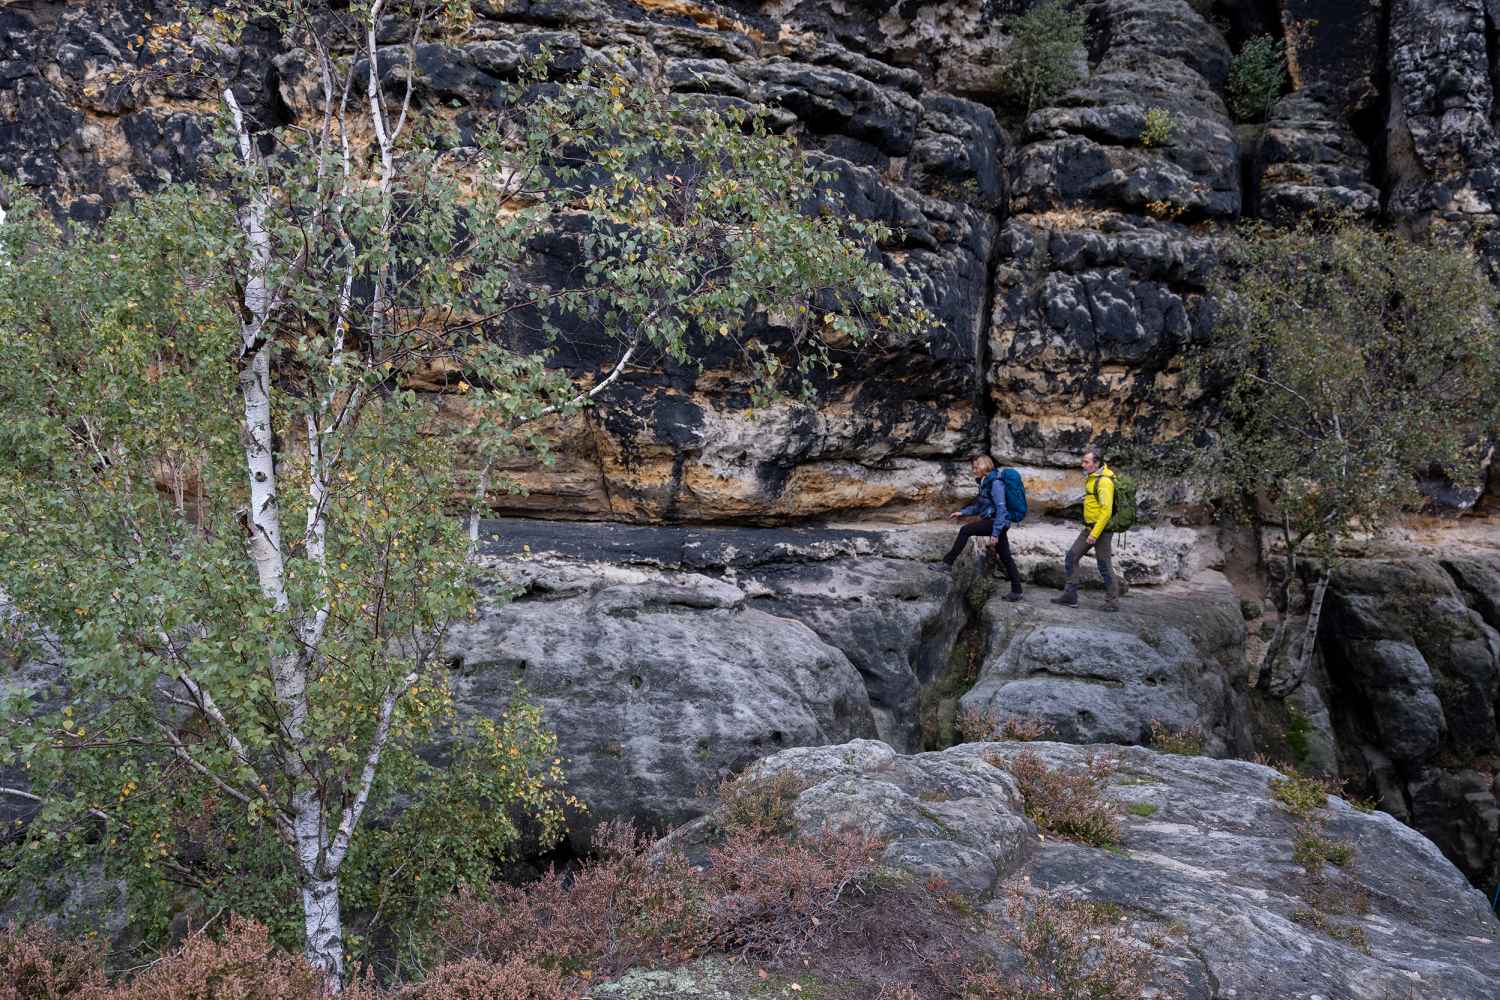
(981, 528)
(1102, 553)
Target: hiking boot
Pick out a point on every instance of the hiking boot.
(1069, 598)
(1112, 606)
(1013, 597)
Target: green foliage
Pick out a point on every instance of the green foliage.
(1158, 128)
(1312, 850)
(1347, 360)
(1043, 58)
(1301, 796)
(228, 507)
(1257, 76)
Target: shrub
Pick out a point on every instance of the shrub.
(476, 979)
(36, 964)
(1040, 62)
(1186, 742)
(241, 963)
(1312, 850)
(769, 897)
(1256, 78)
(1158, 129)
(1069, 803)
(1026, 730)
(977, 726)
(1302, 796)
(763, 895)
(760, 803)
(618, 908)
(1069, 950)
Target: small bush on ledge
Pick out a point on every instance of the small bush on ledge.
(1069, 803)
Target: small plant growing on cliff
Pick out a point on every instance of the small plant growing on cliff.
(1068, 802)
(1188, 742)
(1044, 54)
(1345, 361)
(1158, 128)
(244, 419)
(1257, 76)
(1068, 950)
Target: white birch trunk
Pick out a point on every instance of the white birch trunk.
(323, 923)
(320, 893)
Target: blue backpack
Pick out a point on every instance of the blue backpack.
(1015, 494)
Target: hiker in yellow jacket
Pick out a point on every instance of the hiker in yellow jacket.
(1098, 505)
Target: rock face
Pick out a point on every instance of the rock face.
(1173, 656)
(1412, 655)
(693, 653)
(1204, 869)
(669, 658)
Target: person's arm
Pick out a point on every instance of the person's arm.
(1002, 512)
(1104, 492)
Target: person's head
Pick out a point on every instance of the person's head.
(1093, 460)
(981, 465)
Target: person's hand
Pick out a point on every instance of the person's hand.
(989, 543)
(956, 514)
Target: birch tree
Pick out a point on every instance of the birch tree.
(231, 515)
(1349, 361)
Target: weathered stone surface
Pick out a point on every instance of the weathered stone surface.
(1413, 662)
(667, 658)
(1091, 313)
(1311, 162)
(1085, 150)
(1208, 876)
(1173, 655)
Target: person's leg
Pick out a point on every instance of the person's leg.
(1070, 569)
(979, 526)
(1103, 552)
(1008, 561)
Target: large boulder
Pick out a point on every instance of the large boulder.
(1204, 872)
(1174, 656)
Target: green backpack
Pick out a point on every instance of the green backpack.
(1122, 518)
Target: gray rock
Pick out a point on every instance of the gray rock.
(1208, 877)
(1174, 656)
(658, 684)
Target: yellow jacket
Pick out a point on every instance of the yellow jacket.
(1098, 499)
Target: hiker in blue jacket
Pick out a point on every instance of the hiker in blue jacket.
(990, 517)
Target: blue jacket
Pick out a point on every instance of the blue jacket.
(990, 502)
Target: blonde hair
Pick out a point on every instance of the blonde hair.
(985, 463)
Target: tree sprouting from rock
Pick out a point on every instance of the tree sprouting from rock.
(230, 506)
(1044, 57)
(1350, 360)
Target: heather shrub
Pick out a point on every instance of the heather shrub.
(37, 964)
(976, 726)
(755, 803)
(477, 979)
(625, 907)
(1069, 803)
(1069, 950)
(617, 909)
(242, 963)
(770, 896)
(1026, 730)
(1186, 742)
